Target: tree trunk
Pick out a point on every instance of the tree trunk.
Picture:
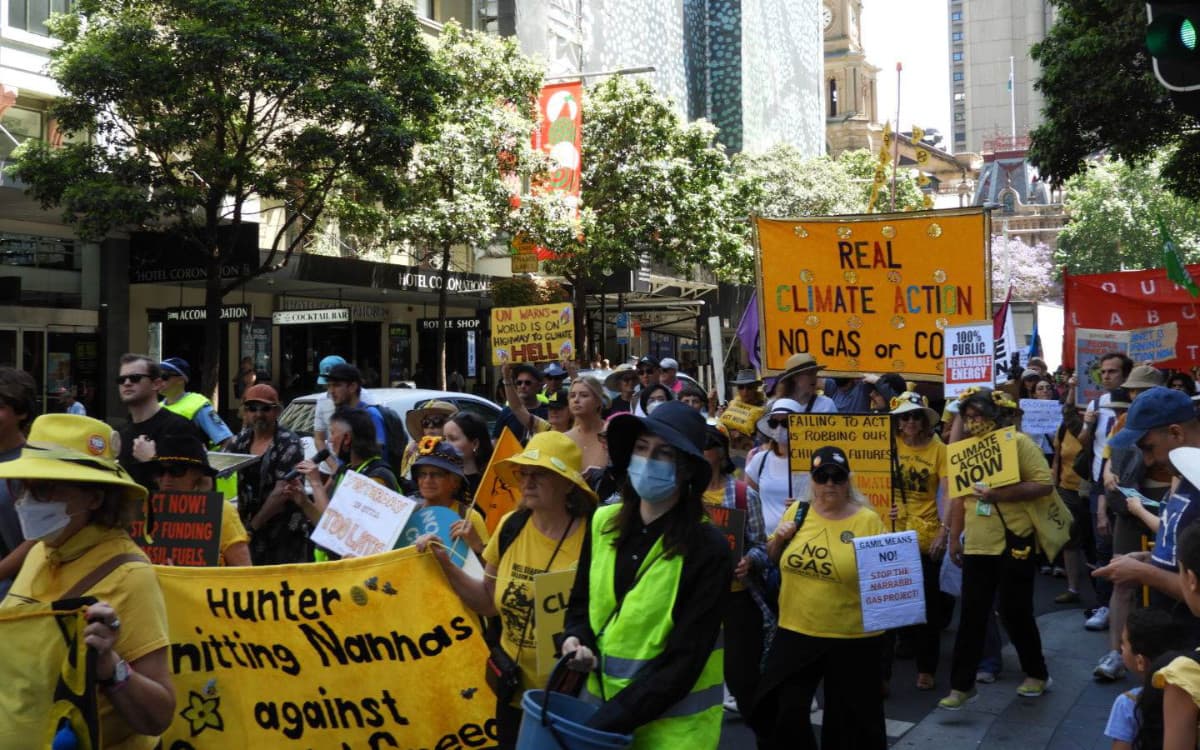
(210, 368)
(444, 275)
(583, 341)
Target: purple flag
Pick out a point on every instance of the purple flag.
(747, 331)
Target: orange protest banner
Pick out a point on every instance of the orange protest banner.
(871, 293)
(494, 497)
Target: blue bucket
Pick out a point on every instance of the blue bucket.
(555, 721)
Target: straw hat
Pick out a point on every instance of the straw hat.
(412, 420)
(613, 380)
(552, 451)
(910, 401)
(798, 363)
(1143, 376)
(70, 448)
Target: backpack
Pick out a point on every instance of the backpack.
(393, 429)
(511, 530)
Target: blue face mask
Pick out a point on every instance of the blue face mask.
(654, 481)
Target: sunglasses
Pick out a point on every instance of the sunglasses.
(825, 477)
(914, 416)
(256, 408)
(431, 422)
(131, 378)
(645, 371)
(774, 422)
(527, 383)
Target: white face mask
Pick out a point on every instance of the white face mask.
(41, 520)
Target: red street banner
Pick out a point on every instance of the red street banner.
(560, 136)
(1126, 300)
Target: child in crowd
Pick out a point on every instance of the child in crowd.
(1180, 679)
(1148, 634)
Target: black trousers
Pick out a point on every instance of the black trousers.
(1008, 583)
(927, 638)
(508, 725)
(743, 647)
(853, 718)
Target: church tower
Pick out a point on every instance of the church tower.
(851, 112)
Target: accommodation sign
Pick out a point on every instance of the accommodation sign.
(228, 312)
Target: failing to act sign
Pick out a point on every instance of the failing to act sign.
(533, 333)
(970, 356)
(890, 583)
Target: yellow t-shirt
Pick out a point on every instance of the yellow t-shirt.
(132, 590)
(1183, 672)
(921, 469)
(232, 530)
(1068, 449)
(985, 534)
(526, 557)
(819, 594)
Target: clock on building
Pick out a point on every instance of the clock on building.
(826, 16)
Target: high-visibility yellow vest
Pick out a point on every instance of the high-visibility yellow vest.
(638, 633)
(187, 407)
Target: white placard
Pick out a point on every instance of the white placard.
(363, 518)
(890, 583)
(1040, 416)
(969, 357)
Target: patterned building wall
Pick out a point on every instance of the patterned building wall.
(782, 66)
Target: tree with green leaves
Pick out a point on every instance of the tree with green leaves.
(1114, 208)
(459, 187)
(1101, 96)
(861, 165)
(204, 113)
(652, 185)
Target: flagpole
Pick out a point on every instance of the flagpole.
(896, 138)
(1012, 98)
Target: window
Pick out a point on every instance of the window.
(833, 102)
(957, 57)
(956, 15)
(958, 75)
(37, 252)
(960, 137)
(960, 117)
(957, 36)
(31, 15)
(959, 96)
(21, 124)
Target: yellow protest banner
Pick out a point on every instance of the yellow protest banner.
(870, 293)
(991, 459)
(368, 652)
(533, 333)
(551, 592)
(494, 497)
(866, 439)
(742, 417)
(47, 677)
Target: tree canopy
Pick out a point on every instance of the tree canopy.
(1114, 208)
(210, 113)
(1101, 95)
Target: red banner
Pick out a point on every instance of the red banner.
(560, 136)
(1126, 300)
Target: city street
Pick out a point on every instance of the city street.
(1071, 716)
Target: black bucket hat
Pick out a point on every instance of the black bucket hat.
(675, 422)
(181, 450)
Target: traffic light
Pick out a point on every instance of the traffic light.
(1172, 39)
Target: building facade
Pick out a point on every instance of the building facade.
(851, 99)
(984, 38)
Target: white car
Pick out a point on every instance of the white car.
(298, 416)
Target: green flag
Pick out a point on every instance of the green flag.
(1176, 270)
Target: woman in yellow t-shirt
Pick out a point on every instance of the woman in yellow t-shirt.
(75, 500)
(990, 568)
(551, 524)
(820, 636)
(922, 465)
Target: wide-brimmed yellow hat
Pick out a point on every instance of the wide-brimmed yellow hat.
(911, 401)
(553, 451)
(413, 418)
(70, 448)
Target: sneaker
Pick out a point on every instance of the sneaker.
(1044, 570)
(957, 699)
(987, 678)
(1032, 688)
(1059, 572)
(1098, 620)
(1110, 668)
(1067, 597)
